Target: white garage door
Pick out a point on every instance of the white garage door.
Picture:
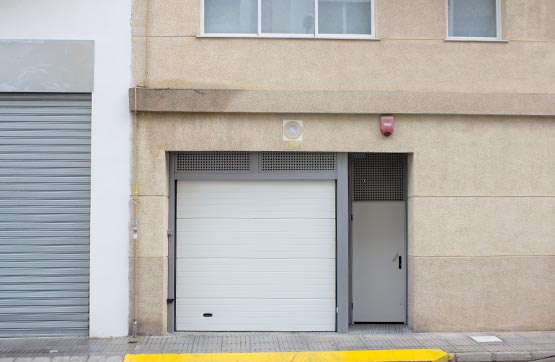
(255, 256)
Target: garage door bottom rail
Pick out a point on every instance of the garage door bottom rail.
(417, 355)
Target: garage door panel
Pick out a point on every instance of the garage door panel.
(252, 250)
(255, 238)
(256, 325)
(259, 253)
(287, 274)
(257, 211)
(259, 304)
(261, 291)
(286, 314)
(297, 266)
(254, 199)
(281, 280)
(260, 210)
(267, 287)
(213, 228)
(210, 226)
(231, 189)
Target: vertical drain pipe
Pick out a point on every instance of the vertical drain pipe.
(135, 227)
(135, 237)
(134, 147)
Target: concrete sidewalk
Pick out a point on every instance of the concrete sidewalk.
(514, 346)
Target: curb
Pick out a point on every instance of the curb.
(420, 355)
(540, 356)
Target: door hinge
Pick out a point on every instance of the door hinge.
(170, 232)
(351, 217)
(336, 310)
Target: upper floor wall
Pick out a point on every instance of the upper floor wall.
(411, 53)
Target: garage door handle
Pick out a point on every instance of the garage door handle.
(400, 262)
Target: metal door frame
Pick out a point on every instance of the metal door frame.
(350, 232)
(340, 174)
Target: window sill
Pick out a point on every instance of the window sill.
(478, 40)
(286, 36)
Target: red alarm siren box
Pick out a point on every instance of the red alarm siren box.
(387, 125)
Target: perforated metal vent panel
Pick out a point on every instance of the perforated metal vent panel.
(214, 161)
(379, 177)
(296, 161)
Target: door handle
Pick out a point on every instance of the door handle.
(400, 262)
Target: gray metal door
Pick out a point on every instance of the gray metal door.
(378, 262)
(44, 214)
(378, 231)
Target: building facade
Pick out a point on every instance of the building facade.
(65, 152)
(268, 198)
(276, 165)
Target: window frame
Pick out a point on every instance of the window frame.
(316, 34)
(476, 38)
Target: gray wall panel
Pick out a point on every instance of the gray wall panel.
(46, 66)
(44, 214)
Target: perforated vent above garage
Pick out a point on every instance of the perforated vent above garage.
(297, 161)
(255, 165)
(214, 161)
(379, 177)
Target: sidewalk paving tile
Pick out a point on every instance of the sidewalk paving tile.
(475, 357)
(512, 356)
(54, 349)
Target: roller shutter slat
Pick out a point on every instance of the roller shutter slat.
(44, 214)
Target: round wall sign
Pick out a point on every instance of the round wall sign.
(292, 130)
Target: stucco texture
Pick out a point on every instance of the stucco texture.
(481, 190)
(411, 55)
(481, 205)
(398, 19)
(387, 65)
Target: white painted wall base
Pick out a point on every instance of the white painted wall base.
(106, 22)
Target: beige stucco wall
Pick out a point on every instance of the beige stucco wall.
(412, 54)
(481, 206)
(396, 19)
(387, 65)
(481, 197)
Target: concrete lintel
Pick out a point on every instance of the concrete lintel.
(340, 102)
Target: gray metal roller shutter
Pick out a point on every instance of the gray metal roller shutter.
(45, 157)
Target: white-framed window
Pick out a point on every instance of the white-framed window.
(337, 19)
(473, 19)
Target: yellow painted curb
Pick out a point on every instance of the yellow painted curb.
(416, 355)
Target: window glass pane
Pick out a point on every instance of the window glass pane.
(473, 18)
(231, 16)
(345, 17)
(288, 16)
